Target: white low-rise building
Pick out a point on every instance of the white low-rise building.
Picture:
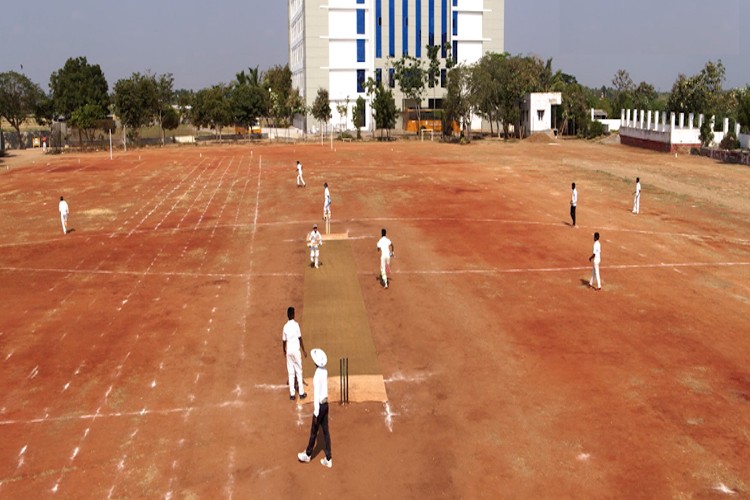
(537, 112)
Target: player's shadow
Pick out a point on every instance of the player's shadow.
(70, 230)
(585, 282)
(380, 280)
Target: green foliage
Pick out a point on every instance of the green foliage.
(212, 108)
(358, 115)
(707, 133)
(248, 104)
(383, 106)
(411, 76)
(86, 119)
(321, 108)
(743, 109)
(278, 82)
(730, 142)
(77, 84)
(170, 119)
(19, 98)
(594, 129)
(135, 100)
(458, 102)
(701, 93)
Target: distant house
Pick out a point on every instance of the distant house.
(537, 112)
(599, 115)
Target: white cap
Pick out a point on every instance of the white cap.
(319, 357)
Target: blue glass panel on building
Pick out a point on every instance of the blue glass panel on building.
(455, 51)
(431, 22)
(360, 51)
(455, 23)
(455, 3)
(443, 78)
(392, 28)
(391, 77)
(378, 75)
(360, 80)
(360, 21)
(363, 1)
(443, 27)
(418, 29)
(405, 26)
(379, 28)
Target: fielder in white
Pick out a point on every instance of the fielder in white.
(64, 211)
(637, 196)
(596, 258)
(300, 180)
(326, 202)
(386, 252)
(294, 347)
(314, 241)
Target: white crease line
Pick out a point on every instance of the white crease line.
(389, 416)
(140, 413)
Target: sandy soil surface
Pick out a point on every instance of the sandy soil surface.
(140, 355)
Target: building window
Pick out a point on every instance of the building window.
(443, 28)
(379, 29)
(378, 75)
(363, 1)
(443, 78)
(431, 22)
(405, 27)
(391, 28)
(360, 21)
(360, 51)
(455, 51)
(455, 22)
(455, 3)
(391, 78)
(418, 30)
(540, 114)
(360, 80)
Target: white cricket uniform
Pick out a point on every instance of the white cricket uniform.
(320, 386)
(64, 210)
(314, 241)
(595, 270)
(637, 198)
(291, 335)
(300, 180)
(326, 204)
(384, 244)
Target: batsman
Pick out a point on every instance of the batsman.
(386, 252)
(314, 242)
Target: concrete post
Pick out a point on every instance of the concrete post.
(627, 118)
(643, 118)
(672, 118)
(656, 120)
(701, 119)
(726, 126)
(648, 120)
(737, 129)
(622, 117)
(682, 120)
(691, 119)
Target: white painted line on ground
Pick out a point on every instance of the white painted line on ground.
(389, 416)
(723, 488)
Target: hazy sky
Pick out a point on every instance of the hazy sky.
(207, 42)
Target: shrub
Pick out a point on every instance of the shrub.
(595, 129)
(729, 142)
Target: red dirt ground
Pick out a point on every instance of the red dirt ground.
(141, 356)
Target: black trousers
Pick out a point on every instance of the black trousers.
(320, 421)
(573, 214)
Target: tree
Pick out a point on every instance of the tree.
(343, 109)
(485, 87)
(278, 82)
(701, 93)
(170, 119)
(164, 98)
(410, 74)
(248, 104)
(87, 119)
(358, 115)
(19, 99)
(383, 106)
(321, 109)
(76, 85)
(743, 110)
(457, 104)
(433, 69)
(135, 100)
(212, 108)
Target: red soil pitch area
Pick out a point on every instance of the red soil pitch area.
(141, 354)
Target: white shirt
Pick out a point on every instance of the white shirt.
(63, 207)
(299, 168)
(327, 196)
(597, 252)
(574, 198)
(320, 389)
(291, 335)
(315, 238)
(637, 188)
(384, 244)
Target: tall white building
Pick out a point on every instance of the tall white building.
(338, 44)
